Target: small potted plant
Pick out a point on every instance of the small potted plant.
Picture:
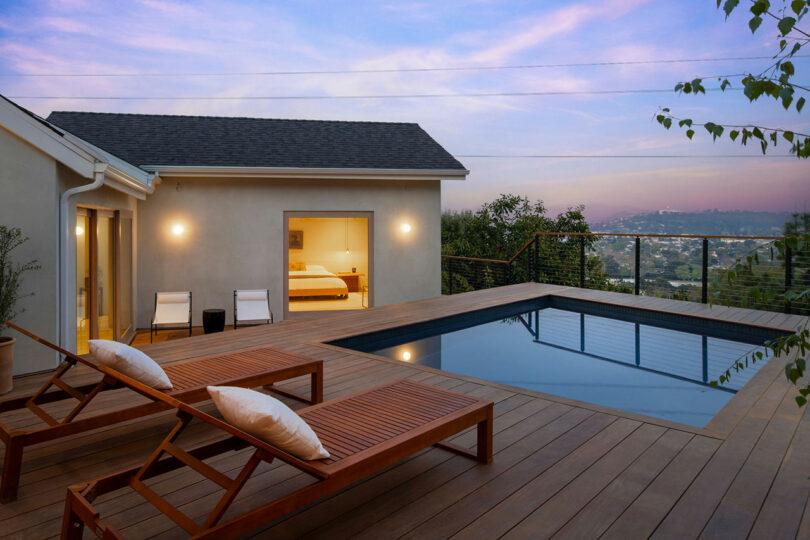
(10, 279)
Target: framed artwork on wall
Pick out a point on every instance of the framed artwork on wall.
(296, 240)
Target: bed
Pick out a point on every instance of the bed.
(315, 280)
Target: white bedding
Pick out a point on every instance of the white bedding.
(314, 281)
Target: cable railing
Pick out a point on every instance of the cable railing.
(697, 268)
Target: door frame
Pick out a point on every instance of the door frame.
(92, 307)
(287, 214)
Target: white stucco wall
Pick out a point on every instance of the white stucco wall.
(29, 199)
(234, 237)
(31, 183)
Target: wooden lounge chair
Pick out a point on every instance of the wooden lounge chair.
(364, 433)
(249, 368)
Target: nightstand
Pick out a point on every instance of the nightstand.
(351, 279)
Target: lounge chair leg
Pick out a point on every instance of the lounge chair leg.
(11, 470)
(72, 525)
(316, 386)
(485, 439)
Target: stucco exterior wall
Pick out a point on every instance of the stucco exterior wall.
(29, 199)
(233, 237)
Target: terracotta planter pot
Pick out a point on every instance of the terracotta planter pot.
(6, 363)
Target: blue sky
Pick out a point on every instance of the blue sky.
(86, 36)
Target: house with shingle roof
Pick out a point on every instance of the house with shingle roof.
(323, 214)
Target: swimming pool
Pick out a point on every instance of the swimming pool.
(644, 362)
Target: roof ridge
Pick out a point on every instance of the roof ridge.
(236, 118)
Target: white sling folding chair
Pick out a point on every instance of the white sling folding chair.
(172, 312)
(251, 307)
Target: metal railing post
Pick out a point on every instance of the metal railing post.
(788, 274)
(530, 263)
(450, 272)
(536, 260)
(638, 266)
(704, 292)
(581, 262)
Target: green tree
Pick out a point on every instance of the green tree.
(500, 229)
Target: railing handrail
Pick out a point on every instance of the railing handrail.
(625, 235)
(534, 263)
(649, 235)
(521, 250)
(461, 257)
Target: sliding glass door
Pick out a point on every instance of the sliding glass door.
(103, 276)
(83, 314)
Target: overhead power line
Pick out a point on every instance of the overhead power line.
(368, 96)
(627, 156)
(398, 70)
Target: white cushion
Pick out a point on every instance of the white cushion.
(253, 294)
(268, 419)
(172, 298)
(129, 361)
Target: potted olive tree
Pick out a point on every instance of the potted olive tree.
(10, 279)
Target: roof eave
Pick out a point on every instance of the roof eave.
(166, 171)
(119, 174)
(47, 140)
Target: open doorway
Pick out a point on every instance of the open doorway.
(103, 276)
(328, 257)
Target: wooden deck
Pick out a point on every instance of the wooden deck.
(561, 468)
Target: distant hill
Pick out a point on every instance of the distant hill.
(711, 222)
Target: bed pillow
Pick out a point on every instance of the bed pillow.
(297, 267)
(129, 361)
(268, 419)
(316, 268)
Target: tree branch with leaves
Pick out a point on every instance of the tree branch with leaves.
(775, 81)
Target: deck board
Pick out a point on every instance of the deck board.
(561, 468)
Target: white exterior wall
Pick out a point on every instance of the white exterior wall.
(31, 183)
(234, 237)
(29, 199)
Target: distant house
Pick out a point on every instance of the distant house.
(324, 214)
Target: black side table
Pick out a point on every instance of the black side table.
(213, 320)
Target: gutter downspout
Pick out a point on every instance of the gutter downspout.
(64, 248)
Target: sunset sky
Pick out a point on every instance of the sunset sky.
(163, 41)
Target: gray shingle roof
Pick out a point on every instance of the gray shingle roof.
(147, 139)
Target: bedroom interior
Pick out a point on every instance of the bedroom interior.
(328, 262)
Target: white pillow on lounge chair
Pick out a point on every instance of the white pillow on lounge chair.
(268, 419)
(129, 361)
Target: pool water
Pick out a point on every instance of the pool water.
(641, 368)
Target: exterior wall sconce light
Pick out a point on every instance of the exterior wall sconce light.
(178, 229)
(405, 227)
